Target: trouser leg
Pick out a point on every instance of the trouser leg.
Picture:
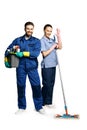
(48, 80)
(21, 85)
(36, 88)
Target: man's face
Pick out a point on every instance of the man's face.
(48, 32)
(29, 30)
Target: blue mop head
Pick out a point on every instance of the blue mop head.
(67, 116)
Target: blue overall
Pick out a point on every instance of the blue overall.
(28, 66)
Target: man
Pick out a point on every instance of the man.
(49, 63)
(29, 51)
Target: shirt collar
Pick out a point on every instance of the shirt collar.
(23, 38)
(48, 39)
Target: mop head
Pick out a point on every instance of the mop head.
(67, 116)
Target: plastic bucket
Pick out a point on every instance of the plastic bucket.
(14, 61)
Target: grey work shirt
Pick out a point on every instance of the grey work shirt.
(51, 59)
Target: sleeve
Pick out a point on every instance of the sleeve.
(37, 49)
(43, 45)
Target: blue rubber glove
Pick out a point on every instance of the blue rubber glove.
(7, 64)
(19, 54)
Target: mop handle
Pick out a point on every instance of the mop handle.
(62, 86)
(58, 37)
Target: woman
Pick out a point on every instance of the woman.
(49, 63)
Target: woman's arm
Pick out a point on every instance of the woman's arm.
(59, 39)
(45, 53)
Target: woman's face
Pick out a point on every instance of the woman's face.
(48, 32)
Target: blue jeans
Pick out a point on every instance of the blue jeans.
(48, 80)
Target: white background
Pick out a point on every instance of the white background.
(71, 17)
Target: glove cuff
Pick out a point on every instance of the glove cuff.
(26, 54)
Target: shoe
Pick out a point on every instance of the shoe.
(20, 111)
(50, 106)
(41, 111)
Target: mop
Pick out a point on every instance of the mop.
(66, 115)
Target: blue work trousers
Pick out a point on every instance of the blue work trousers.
(21, 73)
(48, 80)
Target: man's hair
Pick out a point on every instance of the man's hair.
(29, 23)
(47, 25)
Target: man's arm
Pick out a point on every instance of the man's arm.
(37, 48)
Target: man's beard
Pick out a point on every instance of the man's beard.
(27, 35)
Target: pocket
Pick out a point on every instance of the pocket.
(31, 46)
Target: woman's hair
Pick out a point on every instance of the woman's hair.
(47, 25)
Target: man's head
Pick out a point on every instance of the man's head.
(48, 30)
(29, 27)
